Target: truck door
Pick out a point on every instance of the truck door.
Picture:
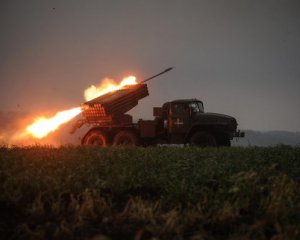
(179, 118)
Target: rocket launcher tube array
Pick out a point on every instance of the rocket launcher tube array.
(116, 103)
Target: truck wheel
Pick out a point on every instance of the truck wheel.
(224, 141)
(124, 138)
(97, 138)
(203, 139)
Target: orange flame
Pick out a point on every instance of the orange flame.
(108, 85)
(42, 126)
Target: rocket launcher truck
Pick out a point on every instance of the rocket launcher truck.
(182, 121)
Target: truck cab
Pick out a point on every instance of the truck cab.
(186, 122)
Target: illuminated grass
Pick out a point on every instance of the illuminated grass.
(141, 193)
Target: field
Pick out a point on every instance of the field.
(149, 193)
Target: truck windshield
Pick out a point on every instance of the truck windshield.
(200, 105)
(197, 107)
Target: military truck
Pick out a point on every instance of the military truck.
(182, 121)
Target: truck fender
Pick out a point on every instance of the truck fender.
(83, 138)
(195, 128)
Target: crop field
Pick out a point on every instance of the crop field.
(149, 193)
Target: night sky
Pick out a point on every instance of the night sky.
(241, 58)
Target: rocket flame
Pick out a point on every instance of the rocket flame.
(108, 85)
(43, 126)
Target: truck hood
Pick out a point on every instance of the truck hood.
(216, 118)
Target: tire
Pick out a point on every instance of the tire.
(224, 141)
(97, 138)
(203, 139)
(125, 138)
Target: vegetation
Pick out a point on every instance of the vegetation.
(149, 193)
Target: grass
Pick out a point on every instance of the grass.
(149, 193)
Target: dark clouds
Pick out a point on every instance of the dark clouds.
(240, 57)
